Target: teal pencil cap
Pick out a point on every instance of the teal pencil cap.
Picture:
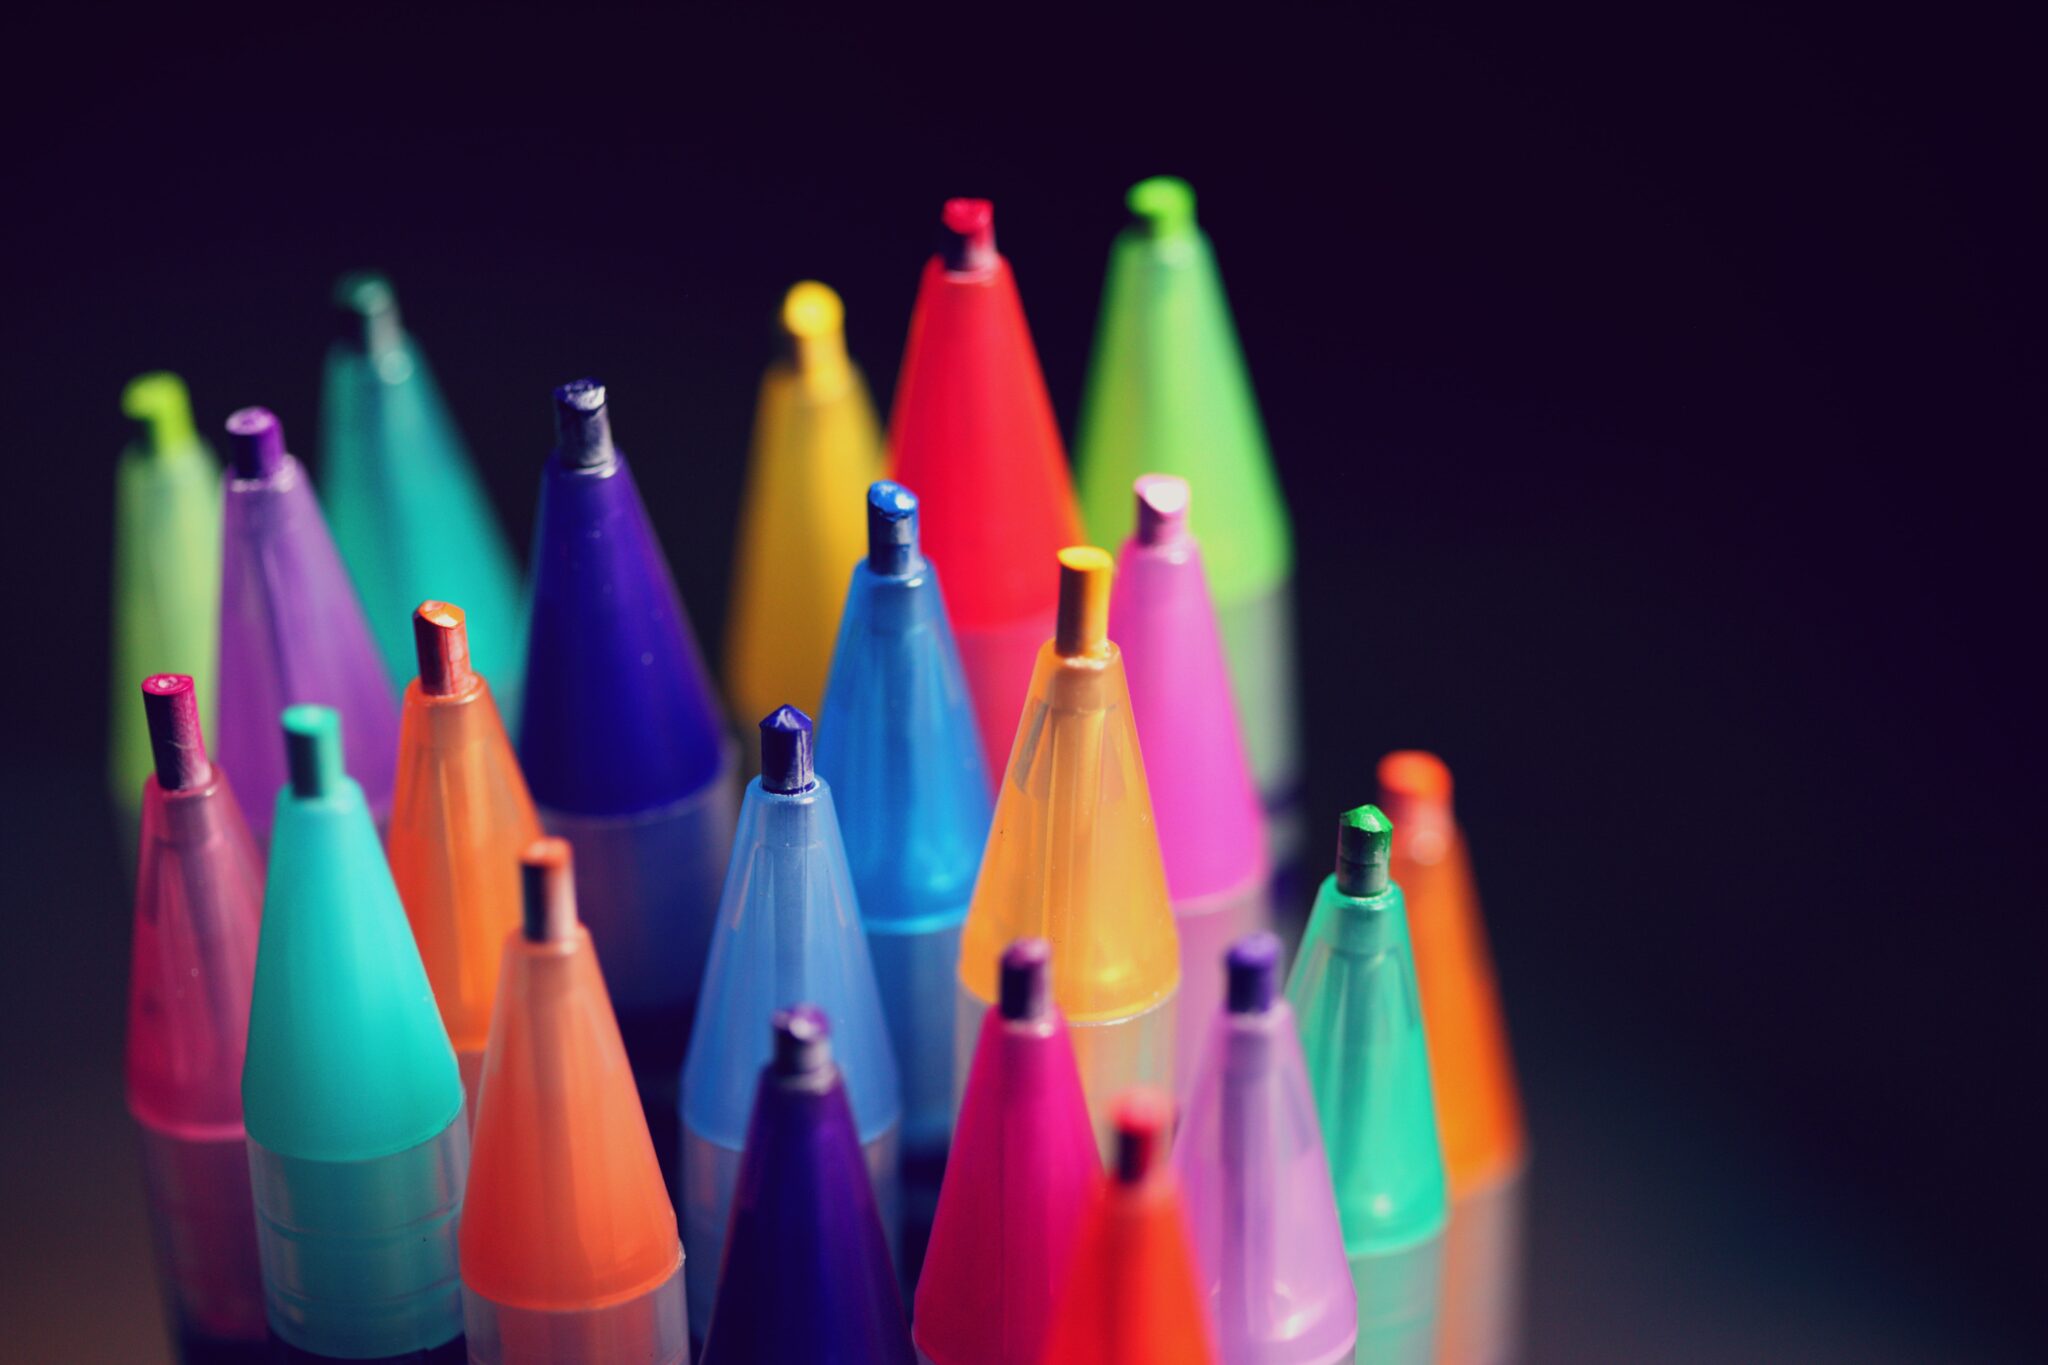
(1359, 1008)
(407, 508)
(347, 1057)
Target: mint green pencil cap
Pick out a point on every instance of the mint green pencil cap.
(347, 1057)
(1354, 993)
(1168, 393)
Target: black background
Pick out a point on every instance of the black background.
(1652, 388)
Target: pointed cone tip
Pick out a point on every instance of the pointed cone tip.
(1144, 1121)
(967, 235)
(547, 881)
(811, 309)
(255, 443)
(159, 404)
(1164, 205)
(583, 425)
(803, 1043)
(1083, 620)
(1252, 973)
(1024, 981)
(1365, 841)
(312, 744)
(1162, 509)
(1415, 774)
(892, 529)
(440, 636)
(170, 704)
(786, 754)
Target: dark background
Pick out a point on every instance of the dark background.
(1655, 398)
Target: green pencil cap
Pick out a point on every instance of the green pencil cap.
(158, 403)
(1164, 205)
(1365, 844)
(348, 1059)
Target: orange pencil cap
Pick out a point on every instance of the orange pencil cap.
(1479, 1110)
(569, 1245)
(460, 817)
(1131, 1296)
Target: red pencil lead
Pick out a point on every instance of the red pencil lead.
(967, 236)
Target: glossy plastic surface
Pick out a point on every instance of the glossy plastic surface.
(1264, 1219)
(359, 1257)
(973, 432)
(460, 817)
(817, 445)
(408, 510)
(347, 1059)
(807, 1278)
(1258, 638)
(1021, 1175)
(198, 906)
(566, 1213)
(1073, 858)
(1168, 393)
(1212, 836)
(897, 742)
(1478, 1105)
(1132, 1295)
(620, 715)
(789, 932)
(293, 632)
(166, 601)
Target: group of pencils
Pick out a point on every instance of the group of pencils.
(944, 1069)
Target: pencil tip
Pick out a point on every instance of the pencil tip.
(1252, 970)
(1025, 990)
(440, 637)
(583, 425)
(312, 746)
(255, 443)
(1164, 205)
(161, 409)
(892, 529)
(547, 886)
(1143, 1119)
(803, 1043)
(370, 308)
(967, 235)
(1365, 843)
(1162, 509)
(170, 703)
(1083, 620)
(786, 752)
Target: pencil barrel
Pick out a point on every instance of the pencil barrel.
(647, 888)
(359, 1257)
(648, 1329)
(915, 973)
(1207, 926)
(710, 1173)
(1113, 1055)
(1258, 642)
(1399, 1297)
(204, 1224)
(997, 662)
(1483, 1275)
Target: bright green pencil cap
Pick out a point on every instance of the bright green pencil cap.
(166, 605)
(1168, 393)
(1355, 994)
(347, 1056)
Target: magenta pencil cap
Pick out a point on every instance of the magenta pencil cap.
(1261, 1209)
